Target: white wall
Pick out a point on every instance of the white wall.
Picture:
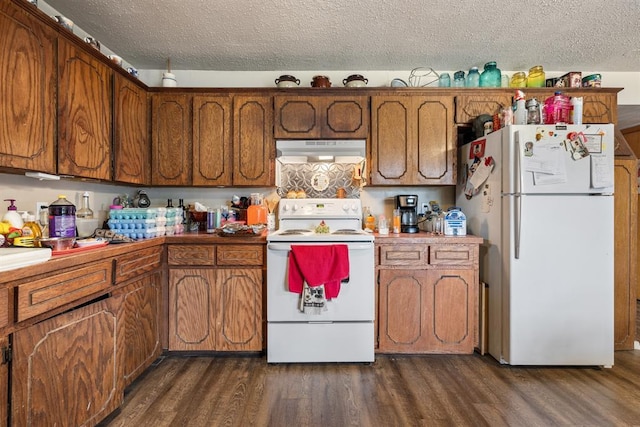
(28, 191)
(197, 78)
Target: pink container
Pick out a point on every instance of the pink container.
(557, 109)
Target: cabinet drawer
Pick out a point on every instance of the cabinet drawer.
(240, 255)
(4, 307)
(135, 264)
(191, 255)
(42, 295)
(451, 255)
(415, 255)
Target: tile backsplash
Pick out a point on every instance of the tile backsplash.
(319, 180)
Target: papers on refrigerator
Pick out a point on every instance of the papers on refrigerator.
(546, 162)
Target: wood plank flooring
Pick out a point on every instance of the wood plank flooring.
(442, 390)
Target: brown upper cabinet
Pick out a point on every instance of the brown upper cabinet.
(321, 116)
(28, 100)
(132, 144)
(84, 113)
(171, 139)
(212, 139)
(412, 140)
(254, 149)
(212, 145)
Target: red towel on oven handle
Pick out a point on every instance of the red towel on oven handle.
(318, 265)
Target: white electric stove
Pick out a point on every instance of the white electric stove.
(343, 330)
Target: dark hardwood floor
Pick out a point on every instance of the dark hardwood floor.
(396, 390)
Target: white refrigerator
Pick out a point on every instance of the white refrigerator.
(541, 196)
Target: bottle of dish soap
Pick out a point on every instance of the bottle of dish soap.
(12, 215)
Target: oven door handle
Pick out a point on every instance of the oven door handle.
(287, 246)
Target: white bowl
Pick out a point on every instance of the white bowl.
(86, 227)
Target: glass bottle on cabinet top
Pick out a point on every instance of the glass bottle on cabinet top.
(473, 78)
(491, 76)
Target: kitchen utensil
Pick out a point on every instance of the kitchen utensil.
(286, 80)
(65, 22)
(93, 42)
(355, 80)
(422, 76)
(116, 60)
(321, 81)
(56, 243)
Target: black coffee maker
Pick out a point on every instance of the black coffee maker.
(408, 205)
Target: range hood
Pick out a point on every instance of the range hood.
(321, 150)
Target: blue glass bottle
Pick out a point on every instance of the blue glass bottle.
(458, 79)
(491, 76)
(473, 78)
(444, 80)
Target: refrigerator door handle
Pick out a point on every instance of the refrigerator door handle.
(517, 208)
(517, 164)
(517, 219)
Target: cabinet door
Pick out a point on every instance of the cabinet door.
(404, 311)
(141, 322)
(4, 382)
(239, 309)
(132, 146)
(171, 139)
(412, 140)
(84, 114)
(392, 140)
(192, 309)
(345, 117)
(66, 370)
(452, 303)
(253, 144)
(212, 140)
(435, 156)
(297, 117)
(28, 101)
(625, 253)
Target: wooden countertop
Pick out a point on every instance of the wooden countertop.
(426, 237)
(58, 262)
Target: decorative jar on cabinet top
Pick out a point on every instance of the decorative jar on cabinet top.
(491, 76)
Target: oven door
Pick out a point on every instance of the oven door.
(355, 302)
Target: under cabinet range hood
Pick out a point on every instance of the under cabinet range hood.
(321, 150)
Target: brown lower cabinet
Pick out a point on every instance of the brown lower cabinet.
(428, 298)
(67, 370)
(141, 317)
(215, 305)
(4, 383)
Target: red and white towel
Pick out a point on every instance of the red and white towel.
(317, 265)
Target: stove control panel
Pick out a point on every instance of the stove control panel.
(320, 208)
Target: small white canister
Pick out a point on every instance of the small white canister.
(455, 223)
(169, 80)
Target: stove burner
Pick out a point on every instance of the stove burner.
(294, 232)
(347, 231)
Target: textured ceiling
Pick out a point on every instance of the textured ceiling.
(263, 35)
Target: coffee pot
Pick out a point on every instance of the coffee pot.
(408, 206)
